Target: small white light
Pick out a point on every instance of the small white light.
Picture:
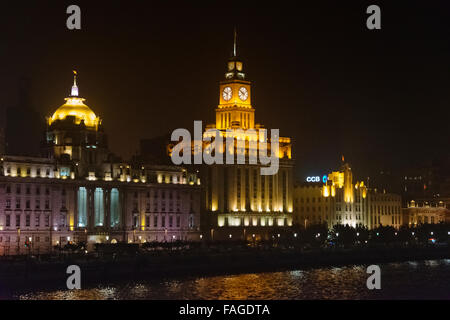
(431, 232)
(68, 238)
(230, 236)
(201, 236)
(357, 234)
(295, 235)
(337, 234)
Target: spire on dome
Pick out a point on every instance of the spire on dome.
(74, 92)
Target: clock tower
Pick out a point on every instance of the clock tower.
(235, 109)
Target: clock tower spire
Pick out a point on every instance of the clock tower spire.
(235, 109)
(234, 48)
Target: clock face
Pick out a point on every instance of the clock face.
(243, 93)
(227, 93)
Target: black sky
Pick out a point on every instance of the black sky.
(380, 97)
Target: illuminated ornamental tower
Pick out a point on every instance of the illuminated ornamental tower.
(241, 203)
(75, 137)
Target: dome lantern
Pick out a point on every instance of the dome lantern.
(75, 107)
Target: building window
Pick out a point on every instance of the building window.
(37, 221)
(178, 221)
(17, 220)
(8, 220)
(82, 207)
(99, 207)
(135, 221)
(27, 220)
(115, 207)
(17, 203)
(62, 220)
(47, 221)
(155, 221)
(8, 203)
(163, 221)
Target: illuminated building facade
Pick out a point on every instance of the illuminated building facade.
(312, 207)
(240, 202)
(2, 130)
(425, 212)
(82, 193)
(341, 201)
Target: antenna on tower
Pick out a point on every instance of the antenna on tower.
(234, 47)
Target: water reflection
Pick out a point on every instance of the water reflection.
(409, 280)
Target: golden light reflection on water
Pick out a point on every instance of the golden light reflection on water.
(399, 280)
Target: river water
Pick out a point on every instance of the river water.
(428, 279)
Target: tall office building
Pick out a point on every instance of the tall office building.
(239, 201)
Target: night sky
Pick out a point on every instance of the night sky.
(379, 97)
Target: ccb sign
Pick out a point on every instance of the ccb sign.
(317, 179)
